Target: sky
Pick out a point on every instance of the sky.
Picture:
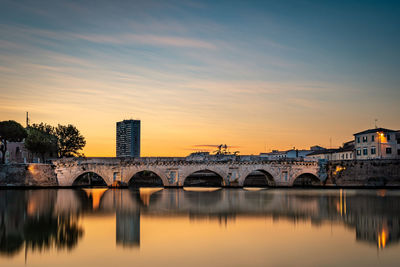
(256, 75)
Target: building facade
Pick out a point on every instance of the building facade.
(17, 153)
(128, 138)
(346, 152)
(290, 154)
(377, 143)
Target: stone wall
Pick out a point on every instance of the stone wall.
(28, 175)
(364, 173)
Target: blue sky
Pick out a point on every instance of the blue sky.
(254, 74)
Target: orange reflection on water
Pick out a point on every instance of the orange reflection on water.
(145, 194)
(96, 194)
(341, 206)
(382, 238)
(381, 192)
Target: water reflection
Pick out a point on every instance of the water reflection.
(42, 220)
(28, 221)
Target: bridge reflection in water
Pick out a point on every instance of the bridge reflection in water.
(40, 220)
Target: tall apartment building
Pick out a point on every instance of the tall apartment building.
(128, 138)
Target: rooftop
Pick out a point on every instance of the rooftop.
(375, 130)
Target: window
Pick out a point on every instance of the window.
(347, 156)
(398, 152)
(388, 137)
(358, 152)
(373, 138)
(365, 151)
(358, 139)
(365, 139)
(388, 150)
(373, 150)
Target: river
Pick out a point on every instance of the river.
(199, 227)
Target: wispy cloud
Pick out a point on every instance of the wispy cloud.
(146, 39)
(24, 32)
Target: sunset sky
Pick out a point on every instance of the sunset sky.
(258, 75)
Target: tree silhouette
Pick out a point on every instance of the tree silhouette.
(70, 141)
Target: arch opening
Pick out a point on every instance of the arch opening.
(259, 178)
(89, 179)
(306, 180)
(145, 179)
(204, 178)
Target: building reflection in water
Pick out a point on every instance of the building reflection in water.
(128, 229)
(40, 220)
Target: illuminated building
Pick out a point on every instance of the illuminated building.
(377, 143)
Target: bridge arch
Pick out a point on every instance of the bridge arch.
(146, 178)
(89, 178)
(204, 177)
(129, 172)
(306, 179)
(259, 178)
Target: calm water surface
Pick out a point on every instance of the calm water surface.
(199, 227)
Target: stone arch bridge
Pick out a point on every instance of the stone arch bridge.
(174, 171)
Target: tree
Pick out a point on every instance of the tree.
(10, 131)
(41, 139)
(70, 141)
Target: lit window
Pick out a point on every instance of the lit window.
(373, 150)
(388, 150)
(365, 139)
(358, 152)
(365, 151)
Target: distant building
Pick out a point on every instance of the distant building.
(377, 143)
(290, 154)
(128, 138)
(296, 153)
(198, 156)
(346, 152)
(17, 153)
(274, 155)
(317, 148)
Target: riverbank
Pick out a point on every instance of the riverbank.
(363, 173)
(28, 175)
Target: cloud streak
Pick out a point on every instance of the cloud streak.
(114, 39)
(146, 39)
